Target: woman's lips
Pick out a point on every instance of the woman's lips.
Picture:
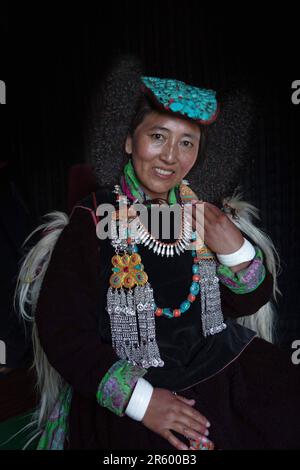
(162, 174)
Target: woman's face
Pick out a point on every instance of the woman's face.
(164, 149)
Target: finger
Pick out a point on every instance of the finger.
(205, 213)
(213, 213)
(186, 400)
(188, 430)
(187, 423)
(175, 442)
(196, 416)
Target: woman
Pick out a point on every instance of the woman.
(136, 343)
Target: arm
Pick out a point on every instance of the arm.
(245, 290)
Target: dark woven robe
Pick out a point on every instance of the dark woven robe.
(246, 387)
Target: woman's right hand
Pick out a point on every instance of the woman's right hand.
(169, 412)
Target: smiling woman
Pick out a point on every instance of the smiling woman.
(136, 340)
(164, 148)
(165, 135)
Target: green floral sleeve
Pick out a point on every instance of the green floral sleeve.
(246, 280)
(117, 385)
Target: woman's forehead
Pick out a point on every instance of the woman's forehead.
(169, 123)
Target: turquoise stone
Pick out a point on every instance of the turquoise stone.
(193, 102)
(176, 107)
(195, 288)
(194, 253)
(167, 312)
(195, 268)
(116, 270)
(138, 266)
(185, 306)
(135, 249)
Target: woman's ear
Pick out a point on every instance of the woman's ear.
(128, 145)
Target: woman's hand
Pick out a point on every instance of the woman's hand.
(167, 412)
(220, 234)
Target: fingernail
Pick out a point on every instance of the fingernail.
(206, 432)
(207, 424)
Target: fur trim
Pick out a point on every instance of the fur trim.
(31, 275)
(264, 319)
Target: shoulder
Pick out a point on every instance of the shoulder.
(101, 196)
(88, 205)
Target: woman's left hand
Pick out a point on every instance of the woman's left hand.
(220, 234)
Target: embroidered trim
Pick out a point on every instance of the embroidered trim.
(116, 387)
(246, 280)
(57, 426)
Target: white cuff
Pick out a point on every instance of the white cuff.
(245, 253)
(139, 400)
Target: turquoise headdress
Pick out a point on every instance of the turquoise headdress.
(199, 104)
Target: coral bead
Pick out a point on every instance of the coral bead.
(191, 297)
(176, 312)
(196, 277)
(158, 312)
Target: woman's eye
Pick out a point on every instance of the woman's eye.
(187, 143)
(157, 136)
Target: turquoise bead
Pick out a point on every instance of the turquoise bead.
(135, 249)
(116, 270)
(193, 237)
(194, 253)
(185, 306)
(138, 266)
(167, 312)
(194, 289)
(195, 268)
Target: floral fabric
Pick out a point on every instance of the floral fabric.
(116, 387)
(56, 429)
(246, 280)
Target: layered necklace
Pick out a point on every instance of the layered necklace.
(130, 301)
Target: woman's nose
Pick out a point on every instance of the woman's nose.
(169, 154)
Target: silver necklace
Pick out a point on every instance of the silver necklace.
(140, 235)
(164, 249)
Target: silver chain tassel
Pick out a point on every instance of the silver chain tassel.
(132, 322)
(211, 312)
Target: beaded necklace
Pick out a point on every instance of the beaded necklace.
(133, 272)
(130, 301)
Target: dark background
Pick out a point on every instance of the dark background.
(52, 58)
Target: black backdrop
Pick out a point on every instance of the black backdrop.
(52, 58)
